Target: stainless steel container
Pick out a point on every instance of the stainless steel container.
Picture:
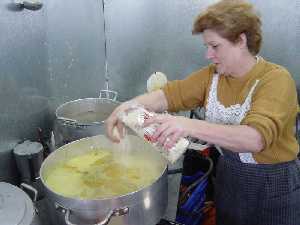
(16, 208)
(142, 207)
(81, 118)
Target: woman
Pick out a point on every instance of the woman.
(251, 106)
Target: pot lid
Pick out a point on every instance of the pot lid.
(28, 148)
(16, 208)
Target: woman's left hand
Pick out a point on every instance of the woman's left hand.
(170, 129)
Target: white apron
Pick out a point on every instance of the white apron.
(234, 114)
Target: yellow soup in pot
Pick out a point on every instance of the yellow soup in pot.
(101, 174)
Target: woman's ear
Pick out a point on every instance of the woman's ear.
(242, 40)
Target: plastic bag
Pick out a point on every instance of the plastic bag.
(134, 118)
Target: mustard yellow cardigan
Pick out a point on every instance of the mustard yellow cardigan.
(273, 108)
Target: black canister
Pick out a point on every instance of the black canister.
(29, 158)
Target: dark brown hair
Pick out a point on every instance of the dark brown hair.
(230, 18)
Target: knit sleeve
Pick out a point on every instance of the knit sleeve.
(273, 106)
(188, 93)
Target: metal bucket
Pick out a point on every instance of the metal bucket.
(81, 118)
(145, 206)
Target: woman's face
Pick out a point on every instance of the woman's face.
(223, 53)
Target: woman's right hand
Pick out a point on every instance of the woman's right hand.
(154, 101)
(113, 125)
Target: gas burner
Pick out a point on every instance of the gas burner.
(168, 222)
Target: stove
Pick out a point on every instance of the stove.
(168, 222)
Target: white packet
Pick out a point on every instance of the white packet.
(134, 118)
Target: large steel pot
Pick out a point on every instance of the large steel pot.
(142, 207)
(81, 118)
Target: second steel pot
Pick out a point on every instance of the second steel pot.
(16, 208)
(81, 118)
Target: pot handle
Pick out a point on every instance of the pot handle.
(108, 94)
(31, 189)
(114, 212)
